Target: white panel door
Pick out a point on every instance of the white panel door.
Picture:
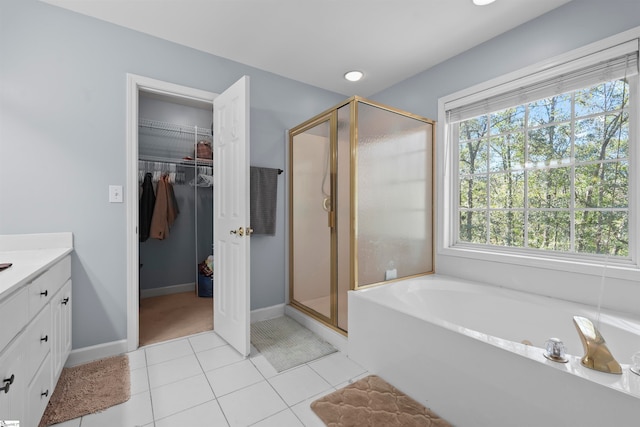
(231, 216)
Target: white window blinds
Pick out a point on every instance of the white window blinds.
(613, 63)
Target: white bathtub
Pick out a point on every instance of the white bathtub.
(455, 346)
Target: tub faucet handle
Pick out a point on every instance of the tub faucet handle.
(554, 350)
(596, 353)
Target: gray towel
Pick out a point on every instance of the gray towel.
(264, 198)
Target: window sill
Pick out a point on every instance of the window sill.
(550, 262)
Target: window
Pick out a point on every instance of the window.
(544, 163)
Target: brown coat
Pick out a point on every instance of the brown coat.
(165, 210)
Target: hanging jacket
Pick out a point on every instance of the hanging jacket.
(147, 203)
(165, 210)
(173, 203)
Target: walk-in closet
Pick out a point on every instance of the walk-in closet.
(175, 173)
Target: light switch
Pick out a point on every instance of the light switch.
(115, 194)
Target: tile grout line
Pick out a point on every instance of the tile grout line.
(206, 377)
(290, 407)
(192, 376)
(273, 388)
(146, 367)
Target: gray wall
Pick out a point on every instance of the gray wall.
(62, 142)
(573, 25)
(576, 24)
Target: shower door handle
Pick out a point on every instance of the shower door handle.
(332, 219)
(326, 204)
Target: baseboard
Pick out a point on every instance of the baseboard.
(334, 338)
(114, 348)
(95, 352)
(267, 313)
(167, 290)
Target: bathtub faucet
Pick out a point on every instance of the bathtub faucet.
(596, 353)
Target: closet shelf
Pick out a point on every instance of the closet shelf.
(175, 128)
(177, 161)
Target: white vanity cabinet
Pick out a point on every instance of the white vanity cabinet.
(35, 329)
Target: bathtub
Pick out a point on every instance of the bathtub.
(456, 347)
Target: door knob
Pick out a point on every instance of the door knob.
(249, 231)
(238, 232)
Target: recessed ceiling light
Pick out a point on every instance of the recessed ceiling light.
(353, 76)
(482, 2)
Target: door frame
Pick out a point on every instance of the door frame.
(135, 85)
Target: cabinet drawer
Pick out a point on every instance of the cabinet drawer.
(13, 316)
(39, 393)
(38, 340)
(43, 287)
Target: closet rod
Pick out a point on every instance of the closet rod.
(172, 127)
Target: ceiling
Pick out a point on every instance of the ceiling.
(317, 41)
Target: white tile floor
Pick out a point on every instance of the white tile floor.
(201, 381)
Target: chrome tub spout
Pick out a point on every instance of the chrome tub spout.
(596, 353)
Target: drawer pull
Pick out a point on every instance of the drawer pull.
(45, 293)
(44, 393)
(8, 382)
(45, 339)
(65, 301)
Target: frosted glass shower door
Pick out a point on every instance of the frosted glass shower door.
(311, 204)
(394, 195)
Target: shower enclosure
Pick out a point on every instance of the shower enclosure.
(360, 204)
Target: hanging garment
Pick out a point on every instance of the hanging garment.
(147, 203)
(173, 203)
(264, 200)
(165, 210)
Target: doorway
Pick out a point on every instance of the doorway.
(175, 173)
(138, 86)
(231, 107)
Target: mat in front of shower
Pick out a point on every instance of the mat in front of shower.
(285, 343)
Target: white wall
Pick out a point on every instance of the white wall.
(63, 141)
(569, 27)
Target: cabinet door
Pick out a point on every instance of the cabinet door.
(12, 381)
(61, 313)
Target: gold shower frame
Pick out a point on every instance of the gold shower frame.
(330, 115)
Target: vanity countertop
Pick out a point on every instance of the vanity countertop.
(30, 254)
